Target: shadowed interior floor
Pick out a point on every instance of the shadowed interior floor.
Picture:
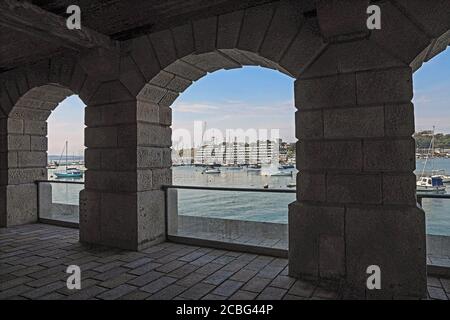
(34, 258)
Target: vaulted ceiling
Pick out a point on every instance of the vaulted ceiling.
(119, 19)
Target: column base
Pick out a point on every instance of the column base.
(340, 243)
(18, 204)
(130, 221)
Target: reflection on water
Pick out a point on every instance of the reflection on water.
(437, 211)
(252, 206)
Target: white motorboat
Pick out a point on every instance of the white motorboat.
(291, 185)
(430, 184)
(212, 171)
(281, 174)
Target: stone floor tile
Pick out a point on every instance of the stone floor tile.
(283, 282)
(87, 293)
(52, 296)
(211, 296)
(5, 285)
(244, 275)
(116, 292)
(209, 268)
(434, 282)
(272, 293)
(170, 266)
(243, 295)
(191, 279)
(167, 293)
(292, 297)
(228, 287)
(41, 291)
(437, 293)
(183, 271)
(145, 278)
(446, 284)
(14, 291)
(135, 295)
(145, 268)
(198, 290)
(218, 277)
(302, 288)
(117, 281)
(111, 273)
(256, 284)
(137, 263)
(158, 284)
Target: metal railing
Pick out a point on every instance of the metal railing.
(59, 181)
(421, 196)
(166, 187)
(49, 220)
(232, 226)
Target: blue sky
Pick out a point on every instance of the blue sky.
(432, 94)
(254, 97)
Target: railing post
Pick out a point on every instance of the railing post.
(38, 201)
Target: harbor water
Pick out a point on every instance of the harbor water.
(256, 206)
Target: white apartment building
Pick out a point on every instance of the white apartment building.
(237, 153)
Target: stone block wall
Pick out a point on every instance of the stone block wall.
(28, 96)
(356, 203)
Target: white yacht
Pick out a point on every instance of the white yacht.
(430, 184)
(212, 171)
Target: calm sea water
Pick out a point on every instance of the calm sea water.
(256, 206)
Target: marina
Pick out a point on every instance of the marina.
(253, 206)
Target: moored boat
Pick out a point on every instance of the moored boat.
(281, 174)
(211, 171)
(291, 185)
(254, 167)
(69, 173)
(430, 184)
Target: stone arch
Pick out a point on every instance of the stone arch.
(130, 116)
(276, 36)
(28, 96)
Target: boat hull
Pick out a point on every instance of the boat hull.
(68, 175)
(211, 172)
(281, 174)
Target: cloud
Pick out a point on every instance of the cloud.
(238, 114)
(194, 107)
(442, 124)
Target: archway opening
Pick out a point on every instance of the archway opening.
(432, 135)
(28, 197)
(59, 199)
(234, 129)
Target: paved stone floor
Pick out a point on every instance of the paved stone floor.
(33, 260)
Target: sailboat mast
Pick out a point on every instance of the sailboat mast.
(67, 152)
(432, 152)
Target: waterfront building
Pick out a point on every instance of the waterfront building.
(238, 153)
